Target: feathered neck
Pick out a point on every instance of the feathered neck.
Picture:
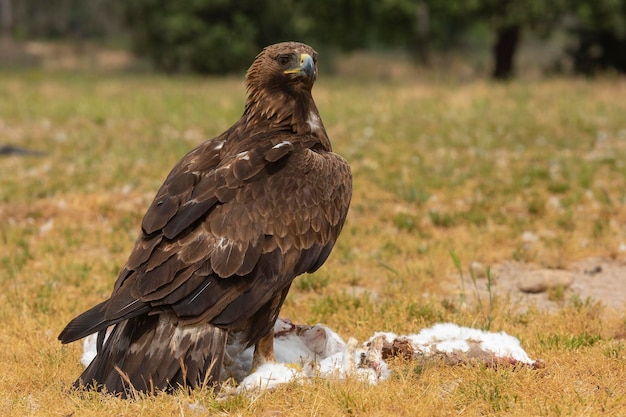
(281, 110)
(282, 107)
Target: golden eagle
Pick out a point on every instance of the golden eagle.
(236, 220)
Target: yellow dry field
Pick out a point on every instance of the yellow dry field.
(440, 168)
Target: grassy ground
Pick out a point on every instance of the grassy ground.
(438, 168)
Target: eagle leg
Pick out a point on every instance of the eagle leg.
(264, 347)
(264, 350)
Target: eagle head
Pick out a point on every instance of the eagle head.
(288, 68)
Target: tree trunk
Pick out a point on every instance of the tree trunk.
(6, 20)
(422, 34)
(504, 51)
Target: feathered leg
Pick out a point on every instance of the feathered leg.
(264, 347)
(264, 350)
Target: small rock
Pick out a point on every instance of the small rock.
(554, 202)
(16, 150)
(544, 279)
(529, 237)
(46, 227)
(479, 270)
(594, 271)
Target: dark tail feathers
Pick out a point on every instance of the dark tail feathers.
(153, 353)
(90, 322)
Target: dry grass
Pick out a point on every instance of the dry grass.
(437, 167)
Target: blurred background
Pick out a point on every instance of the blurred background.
(498, 39)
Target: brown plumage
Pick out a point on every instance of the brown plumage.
(236, 220)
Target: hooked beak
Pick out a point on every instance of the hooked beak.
(306, 67)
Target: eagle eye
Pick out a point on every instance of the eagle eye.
(283, 60)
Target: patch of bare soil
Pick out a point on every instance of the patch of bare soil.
(597, 279)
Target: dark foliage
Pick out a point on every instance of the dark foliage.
(221, 36)
(207, 36)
